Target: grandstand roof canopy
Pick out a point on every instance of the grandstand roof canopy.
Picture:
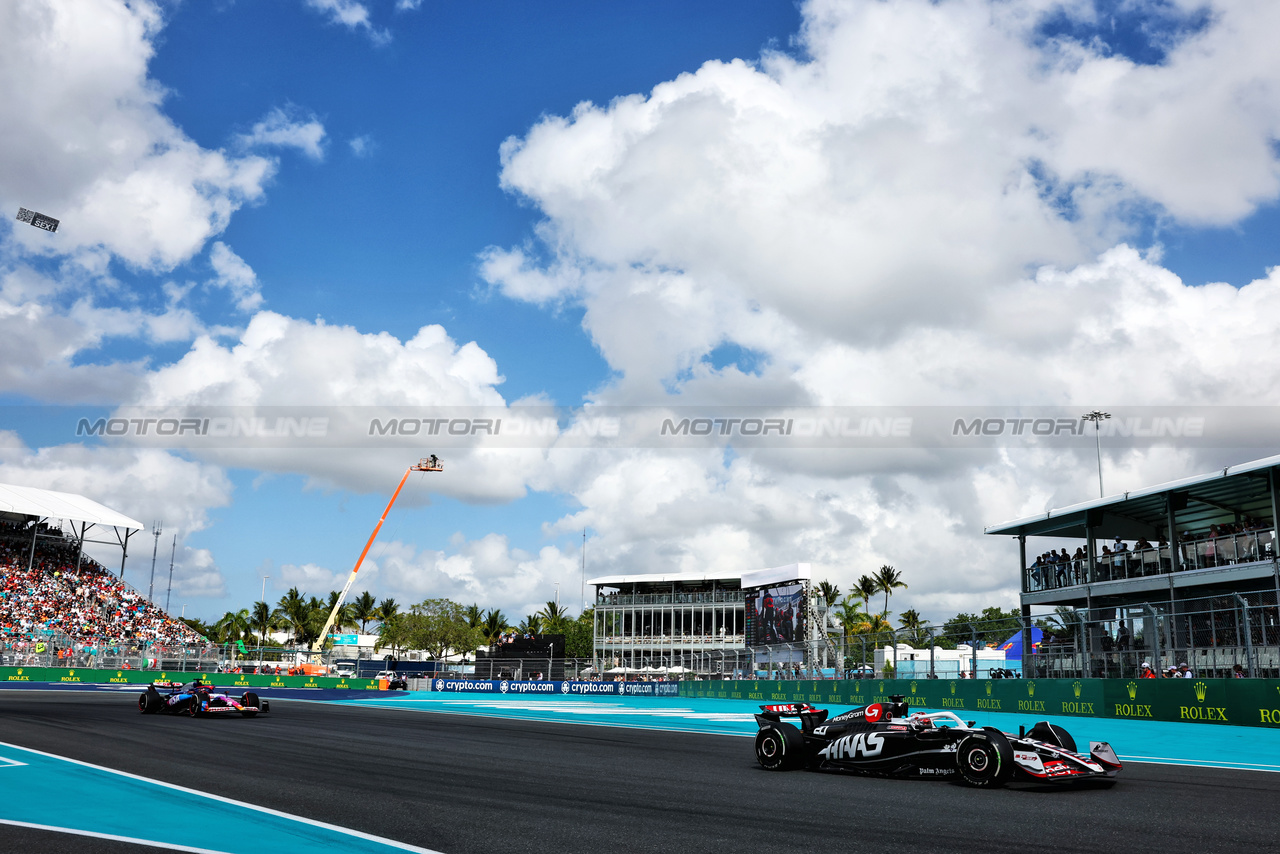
(1199, 502)
(46, 503)
(748, 578)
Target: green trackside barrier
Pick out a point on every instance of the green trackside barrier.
(1239, 702)
(145, 677)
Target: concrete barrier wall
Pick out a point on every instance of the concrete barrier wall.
(11, 675)
(1241, 702)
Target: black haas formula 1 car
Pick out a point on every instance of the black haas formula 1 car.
(885, 739)
(197, 698)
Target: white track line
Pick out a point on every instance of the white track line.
(111, 836)
(404, 846)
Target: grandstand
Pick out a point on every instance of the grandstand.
(59, 607)
(1184, 571)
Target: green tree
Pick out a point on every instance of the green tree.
(263, 619)
(495, 623)
(993, 625)
(232, 626)
(916, 633)
(295, 613)
(865, 589)
(532, 625)
(387, 610)
(887, 580)
(363, 609)
(829, 592)
(345, 617)
(475, 617)
(437, 626)
(579, 635)
(553, 619)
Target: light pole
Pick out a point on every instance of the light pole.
(1097, 417)
(263, 597)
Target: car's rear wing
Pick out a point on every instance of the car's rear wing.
(809, 716)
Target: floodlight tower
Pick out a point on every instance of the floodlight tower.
(173, 552)
(156, 528)
(431, 463)
(1097, 418)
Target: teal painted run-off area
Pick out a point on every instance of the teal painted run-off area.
(112, 804)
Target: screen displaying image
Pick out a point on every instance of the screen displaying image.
(775, 615)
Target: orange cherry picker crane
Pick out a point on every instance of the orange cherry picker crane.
(431, 463)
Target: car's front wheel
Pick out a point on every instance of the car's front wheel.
(985, 761)
(780, 747)
(249, 699)
(193, 707)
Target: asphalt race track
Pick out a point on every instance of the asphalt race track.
(471, 785)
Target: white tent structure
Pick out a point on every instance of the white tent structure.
(34, 506)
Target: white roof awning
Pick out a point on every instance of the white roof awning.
(48, 504)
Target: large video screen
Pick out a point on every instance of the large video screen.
(775, 614)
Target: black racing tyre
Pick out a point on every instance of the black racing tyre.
(249, 699)
(985, 760)
(1053, 734)
(193, 706)
(145, 704)
(780, 747)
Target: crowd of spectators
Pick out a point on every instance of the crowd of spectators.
(43, 594)
(1220, 545)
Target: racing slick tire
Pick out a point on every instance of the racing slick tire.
(148, 703)
(249, 699)
(780, 747)
(1053, 734)
(985, 760)
(193, 707)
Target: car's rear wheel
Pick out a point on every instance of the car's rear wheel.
(145, 703)
(985, 760)
(780, 747)
(249, 699)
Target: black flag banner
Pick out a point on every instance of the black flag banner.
(39, 220)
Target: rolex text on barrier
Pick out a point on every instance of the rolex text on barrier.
(1238, 702)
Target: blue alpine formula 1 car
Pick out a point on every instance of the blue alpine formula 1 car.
(197, 698)
(888, 740)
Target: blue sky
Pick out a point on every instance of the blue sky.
(832, 203)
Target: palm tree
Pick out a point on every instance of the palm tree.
(363, 609)
(532, 625)
(474, 616)
(262, 619)
(344, 617)
(387, 611)
(553, 618)
(866, 588)
(913, 625)
(849, 615)
(495, 623)
(295, 613)
(888, 579)
(233, 625)
(829, 592)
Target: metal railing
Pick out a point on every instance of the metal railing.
(1217, 636)
(1202, 553)
(718, 597)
